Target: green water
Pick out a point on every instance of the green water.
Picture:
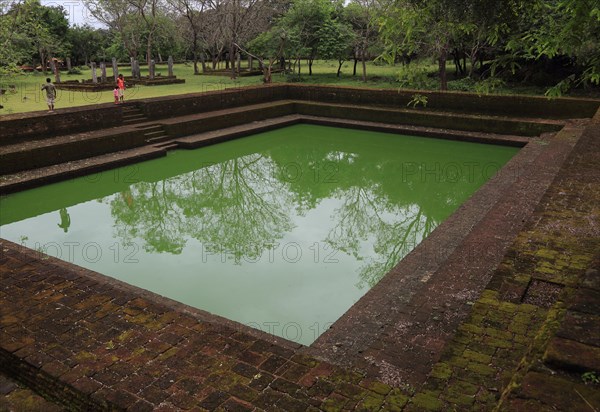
(282, 231)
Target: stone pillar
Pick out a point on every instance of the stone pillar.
(250, 63)
(170, 66)
(239, 62)
(68, 63)
(103, 72)
(94, 75)
(115, 68)
(151, 69)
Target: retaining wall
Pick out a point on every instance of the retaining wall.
(39, 125)
(504, 105)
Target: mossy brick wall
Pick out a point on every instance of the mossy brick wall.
(171, 106)
(200, 125)
(19, 127)
(454, 121)
(15, 128)
(511, 105)
(65, 152)
(48, 387)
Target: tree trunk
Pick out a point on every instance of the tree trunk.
(43, 61)
(266, 72)
(232, 60)
(203, 61)
(355, 64)
(149, 51)
(442, 66)
(339, 67)
(310, 63)
(364, 65)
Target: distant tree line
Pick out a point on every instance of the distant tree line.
(555, 43)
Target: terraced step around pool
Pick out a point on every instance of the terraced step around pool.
(35, 154)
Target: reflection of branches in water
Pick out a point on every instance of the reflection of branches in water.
(147, 210)
(394, 242)
(397, 230)
(235, 206)
(353, 225)
(246, 207)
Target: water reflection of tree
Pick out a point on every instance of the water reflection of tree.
(367, 217)
(242, 205)
(236, 206)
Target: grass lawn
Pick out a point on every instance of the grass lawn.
(28, 96)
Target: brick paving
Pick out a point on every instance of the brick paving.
(523, 342)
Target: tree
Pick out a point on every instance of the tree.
(267, 48)
(362, 15)
(303, 21)
(87, 43)
(11, 38)
(239, 21)
(431, 26)
(568, 28)
(192, 13)
(33, 30)
(336, 41)
(149, 13)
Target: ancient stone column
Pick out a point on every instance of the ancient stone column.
(250, 63)
(68, 63)
(170, 66)
(115, 68)
(133, 72)
(151, 69)
(94, 75)
(103, 72)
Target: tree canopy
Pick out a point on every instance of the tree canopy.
(550, 43)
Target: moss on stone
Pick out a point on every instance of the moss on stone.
(428, 401)
(481, 369)
(395, 400)
(441, 371)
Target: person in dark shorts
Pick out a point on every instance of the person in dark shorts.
(50, 94)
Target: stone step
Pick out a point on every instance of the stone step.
(55, 173)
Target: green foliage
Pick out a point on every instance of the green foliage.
(87, 44)
(561, 28)
(414, 77)
(335, 41)
(489, 85)
(418, 99)
(591, 378)
(561, 87)
(31, 31)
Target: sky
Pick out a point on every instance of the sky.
(78, 14)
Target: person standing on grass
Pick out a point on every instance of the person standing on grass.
(50, 94)
(121, 86)
(116, 94)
